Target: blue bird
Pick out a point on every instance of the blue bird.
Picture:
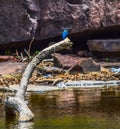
(64, 33)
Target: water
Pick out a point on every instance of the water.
(70, 109)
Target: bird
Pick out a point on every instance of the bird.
(64, 33)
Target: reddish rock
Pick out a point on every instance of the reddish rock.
(12, 67)
(20, 20)
(65, 61)
(85, 65)
(17, 20)
(6, 58)
(73, 63)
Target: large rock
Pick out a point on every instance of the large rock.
(86, 65)
(104, 45)
(65, 61)
(17, 20)
(20, 20)
(76, 64)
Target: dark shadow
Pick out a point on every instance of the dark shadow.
(10, 121)
(79, 40)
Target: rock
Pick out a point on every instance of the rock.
(85, 65)
(75, 64)
(20, 20)
(83, 53)
(65, 61)
(4, 58)
(12, 67)
(104, 45)
(7, 58)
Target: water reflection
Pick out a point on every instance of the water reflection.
(25, 125)
(86, 109)
(65, 102)
(12, 123)
(110, 102)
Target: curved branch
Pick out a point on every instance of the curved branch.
(17, 102)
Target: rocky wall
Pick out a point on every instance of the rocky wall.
(20, 20)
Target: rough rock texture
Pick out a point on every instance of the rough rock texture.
(65, 61)
(85, 65)
(20, 20)
(104, 45)
(74, 64)
(12, 67)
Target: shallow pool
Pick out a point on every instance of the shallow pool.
(70, 109)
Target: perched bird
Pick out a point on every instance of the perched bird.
(64, 33)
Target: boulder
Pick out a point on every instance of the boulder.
(20, 20)
(76, 64)
(65, 61)
(104, 45)
(85, 65)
